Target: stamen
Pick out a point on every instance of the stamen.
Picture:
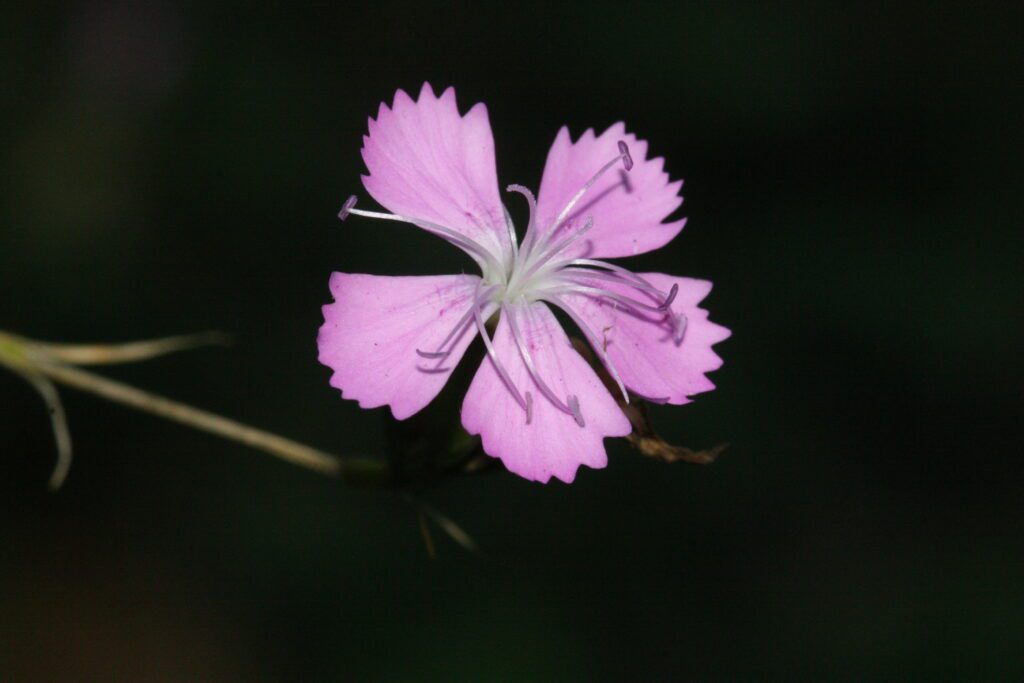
(627, 162)
(577, 287)
(535, 251)
(609, 266)
(617, 278)
(544, 257)
(548, 253)
(571, 405)
(595, 343)
(346, 208)
(634, 280)
(527, 406)
(436, 370)
(671, 297)
(480, 253)
(479, 296)
(574, 406)
(679, 322)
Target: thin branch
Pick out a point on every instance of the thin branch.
(44, 363)
(59, 421)
(278, 446)
(106, 354)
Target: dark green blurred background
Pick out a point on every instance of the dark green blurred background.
(854, 185)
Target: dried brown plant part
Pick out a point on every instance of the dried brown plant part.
(643, 437)
(649, 443)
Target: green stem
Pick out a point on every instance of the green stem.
(286, 449)
(13, 353)
(30, 359)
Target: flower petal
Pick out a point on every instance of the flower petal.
(641, 346)
(428, 162)
(627, 207)
(372, 331)
(553, 444)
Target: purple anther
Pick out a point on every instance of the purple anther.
(670, 298)
(574, 406)
(433, 371)
(529, 407)
(680, 329)
(627, 160)
(347, 207)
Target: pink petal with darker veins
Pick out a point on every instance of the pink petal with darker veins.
(628, 207)
(372, 331)
(553, 444)
(428, 162)
(641, 347)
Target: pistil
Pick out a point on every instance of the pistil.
(481, 254)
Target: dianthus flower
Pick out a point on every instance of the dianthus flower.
(535, 402)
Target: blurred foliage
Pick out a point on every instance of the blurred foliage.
(853, 189)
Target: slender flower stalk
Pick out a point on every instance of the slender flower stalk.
(42, 364)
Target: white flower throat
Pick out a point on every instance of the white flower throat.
(539, 269)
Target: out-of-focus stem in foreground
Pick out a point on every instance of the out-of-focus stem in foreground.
(43, 363)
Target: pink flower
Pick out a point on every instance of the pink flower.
(536, 404)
